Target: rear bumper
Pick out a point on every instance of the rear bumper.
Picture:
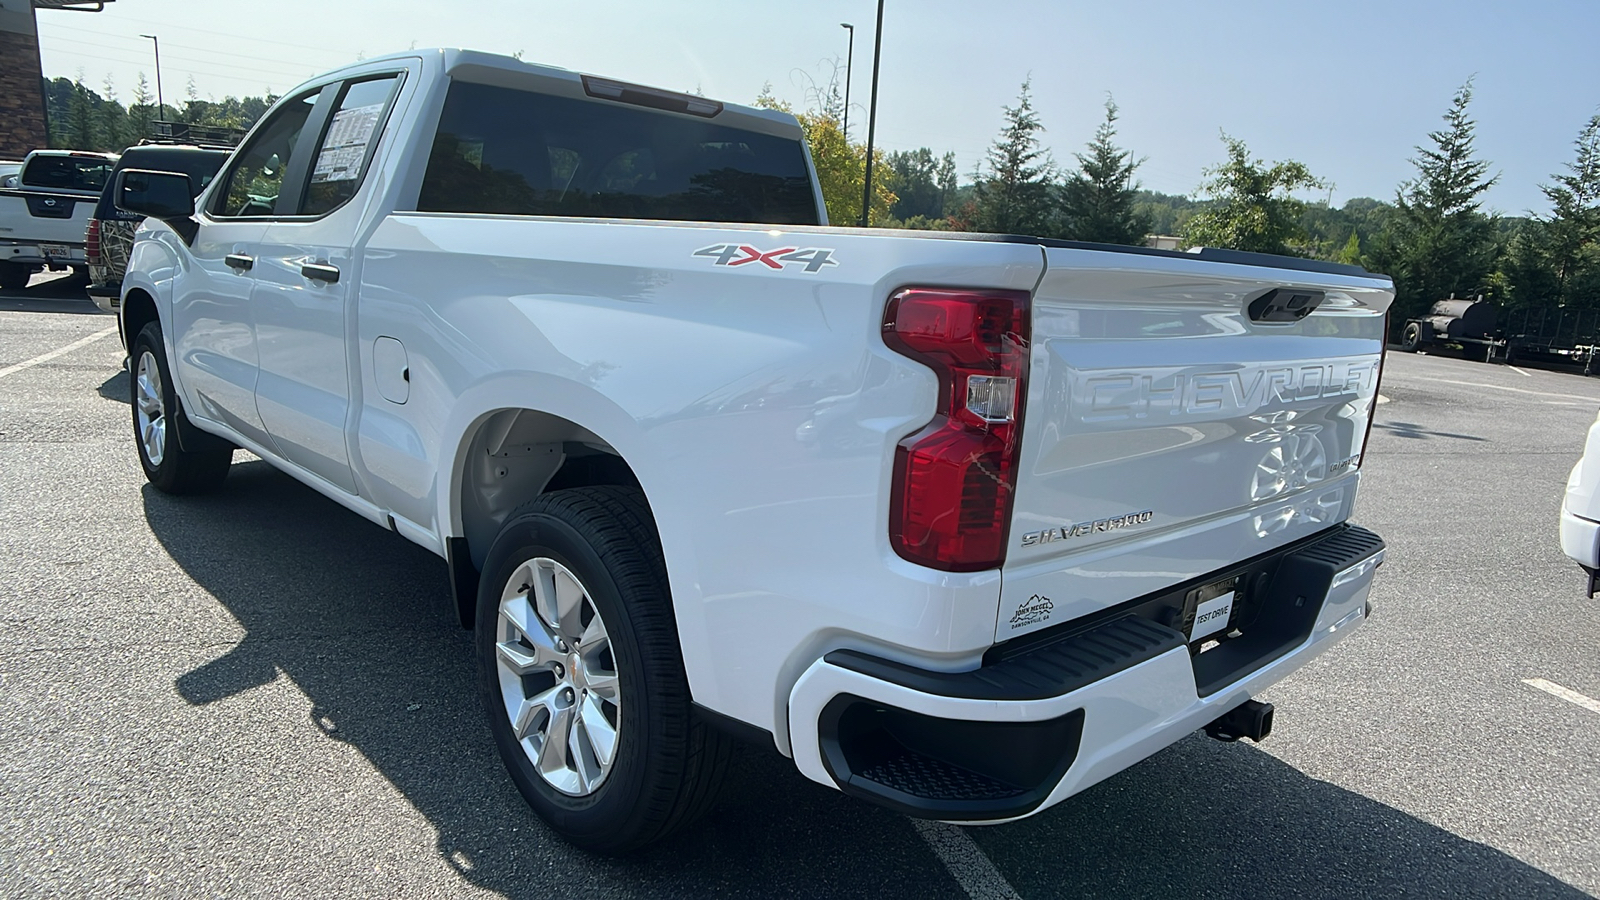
(107, 295)
(1026, 731)
(1580, 539)
(29, 253)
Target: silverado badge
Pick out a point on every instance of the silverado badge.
(1081, 529)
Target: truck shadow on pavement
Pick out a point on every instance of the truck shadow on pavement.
(360, 620)
(56, 294)
(1419, 433)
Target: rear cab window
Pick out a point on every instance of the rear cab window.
(517, 152)
(67, 173)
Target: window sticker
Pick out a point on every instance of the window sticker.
(346, 144)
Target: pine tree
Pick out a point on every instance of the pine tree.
(1014, 195)
(191, 106)
(81, 128)
(1351, 254)
(1097, 201)
(113, 119)
(1252, 204)
(1572, 231)
(140, 113)
(1440, 242)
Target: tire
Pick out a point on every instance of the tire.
(1411, 338)
(14, 276)
(628, 686)
(156, 413)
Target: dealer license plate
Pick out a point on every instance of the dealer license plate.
(1213, 609)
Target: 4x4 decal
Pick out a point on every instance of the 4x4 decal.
(814, 259)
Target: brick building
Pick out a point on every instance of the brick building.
(22, 123)
(22, 111)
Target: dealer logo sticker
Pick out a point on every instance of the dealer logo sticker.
(809, 259)
(1032, 611)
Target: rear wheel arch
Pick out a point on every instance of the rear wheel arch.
(509, 457)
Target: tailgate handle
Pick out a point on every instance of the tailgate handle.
(1284, 305)
(239, 261)
(320, 272)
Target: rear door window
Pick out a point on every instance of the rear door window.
(348, 143)
(513, 152)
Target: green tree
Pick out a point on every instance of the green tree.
(1524, 276)
(142, 111)
(922, 183)
(1252, 204)
(113, 119)
(1014, 195)
(841, 165)
(1572, 231)
(1099, 200)
(1351, 254)
(1440, 242)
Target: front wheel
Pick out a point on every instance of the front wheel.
(156, 411)
(580, 672)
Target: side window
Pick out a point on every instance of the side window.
(256, 178)
(348, 144)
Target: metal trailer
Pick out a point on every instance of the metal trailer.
(1553, 334)
(1547, 334)
(1469, 324)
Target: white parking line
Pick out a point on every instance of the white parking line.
(1567, 694)
(46, 357)
(1519, 371)
(1501, 387)
(966, 862)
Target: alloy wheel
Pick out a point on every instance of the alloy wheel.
(149, 412)
(558, 676)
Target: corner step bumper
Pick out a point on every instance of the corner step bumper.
(1063, 710)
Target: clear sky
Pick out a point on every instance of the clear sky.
(1349, 88)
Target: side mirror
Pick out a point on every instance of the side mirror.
(158, 195)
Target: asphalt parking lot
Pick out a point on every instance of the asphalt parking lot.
(255, 693)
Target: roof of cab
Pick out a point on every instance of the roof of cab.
(491, 68)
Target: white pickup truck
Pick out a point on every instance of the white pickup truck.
(962, 524)
(43, 219)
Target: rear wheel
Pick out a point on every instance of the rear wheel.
(156, 412)
(14, 276)
(1411, 339)
(580, 672)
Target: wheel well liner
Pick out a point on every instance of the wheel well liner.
(512, 456)
(138, 310)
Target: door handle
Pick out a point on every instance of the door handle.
(320, 272)
(239, 261)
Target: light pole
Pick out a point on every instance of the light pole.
(872, 113)
(161, 104)
(849, 61)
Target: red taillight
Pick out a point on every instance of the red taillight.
(91, 242)
(950, 506)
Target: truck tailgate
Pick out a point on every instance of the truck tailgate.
(1168, 434)
(41, 217)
